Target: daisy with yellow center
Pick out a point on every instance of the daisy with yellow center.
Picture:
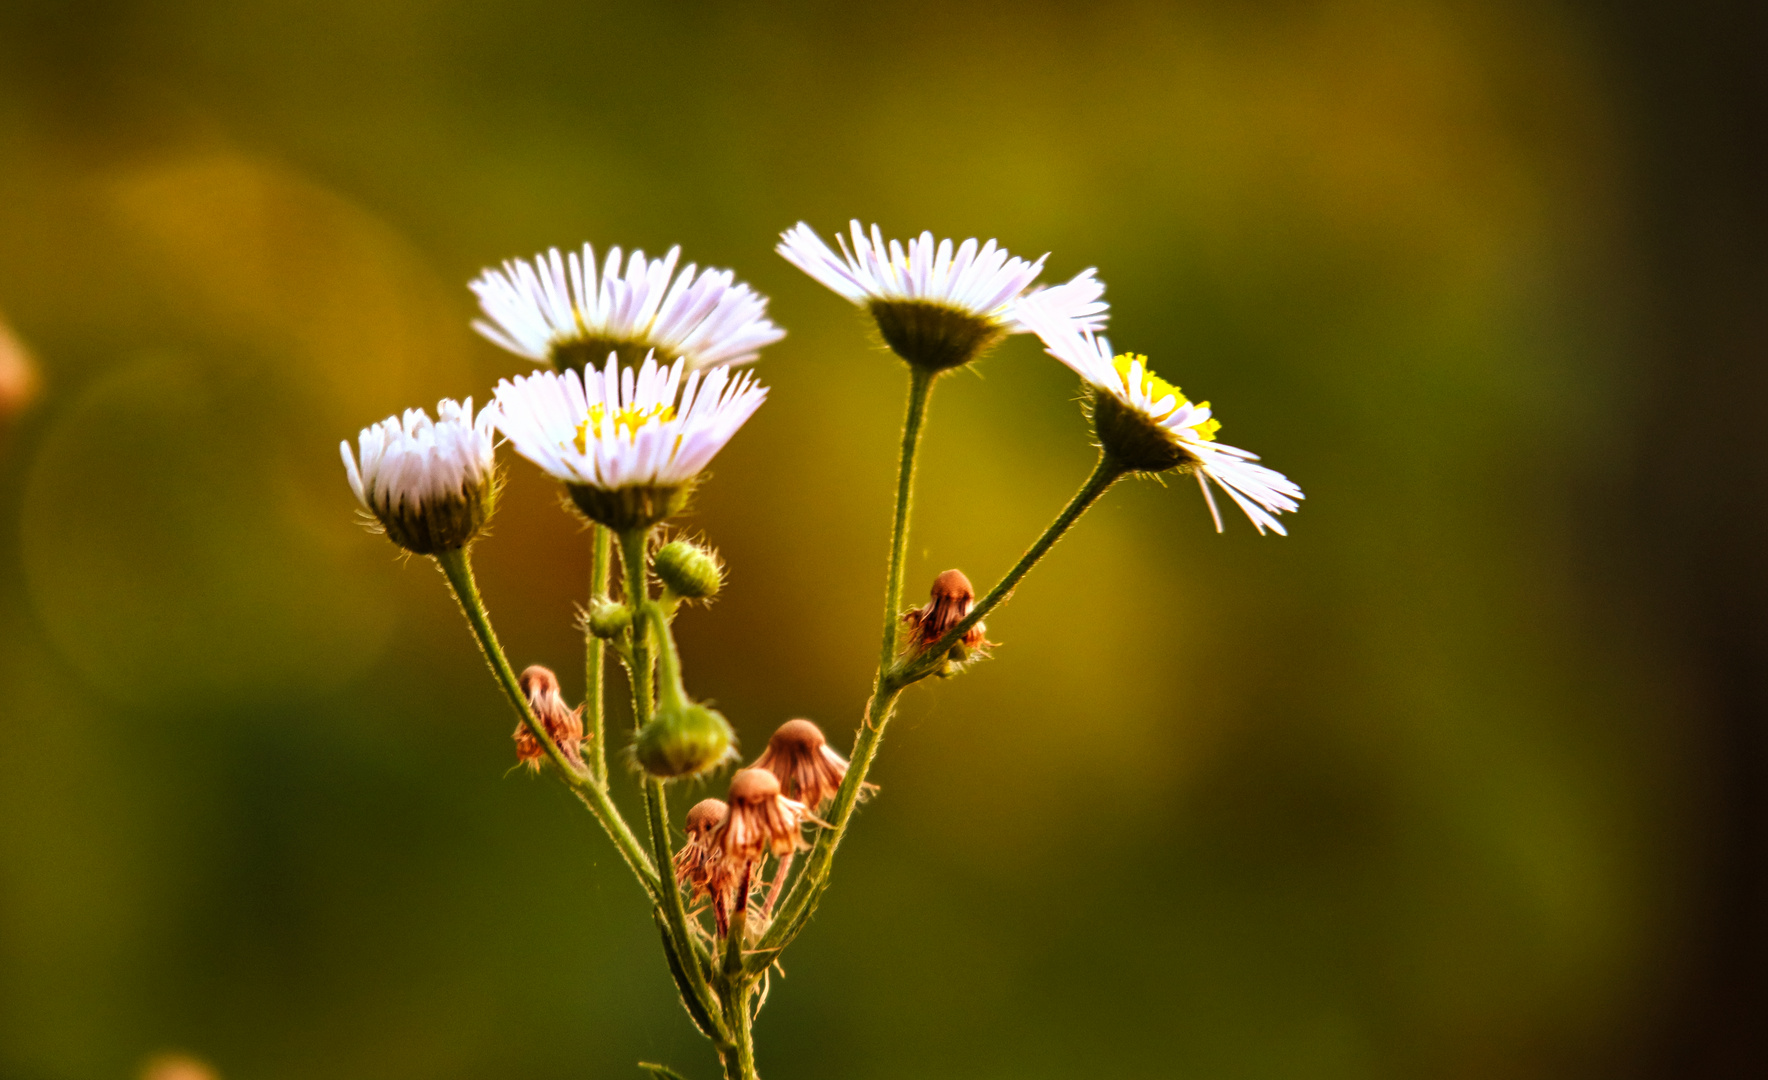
(557, 309)
(1147, 425)
(627, 442)
(936, 305)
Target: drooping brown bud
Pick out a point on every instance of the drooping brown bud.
(950, 601)
(761, 819)
(800, 758)
(563, 724)
(700, 865)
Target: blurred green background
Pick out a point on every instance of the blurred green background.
(1455, 781)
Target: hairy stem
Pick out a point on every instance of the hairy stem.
(459, 572)
(601, 555)
(892, 680)
(1107, 472)
(920, 390)
(802, 898)
(644, 614)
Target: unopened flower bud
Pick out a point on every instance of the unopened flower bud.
(761, 820)
(688, 569)
(564, 725)
(800, 758)
(430, 485)
(949, 603)
(607, 619)
(682, 739)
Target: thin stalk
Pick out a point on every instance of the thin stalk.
(802, 897)
(739, 928)
(638, 595)
(920, 390)
(458, 569)
(924, 663)
(601, 555)
(781, 870)
(892, 680)
(644, 614)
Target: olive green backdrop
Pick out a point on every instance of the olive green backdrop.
(1409, 793)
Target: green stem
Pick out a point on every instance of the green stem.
(638, 595)
(1107, 472)
(601, 556)
(920, 390)
(892, 680)
(739, 1061)
(687, 946)
(811, 880)
(459, 571)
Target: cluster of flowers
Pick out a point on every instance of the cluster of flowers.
(763, 814)
(643, 393)
(646, 385)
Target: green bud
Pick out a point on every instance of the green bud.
(683, 740)
(688, 569)
(607, 619)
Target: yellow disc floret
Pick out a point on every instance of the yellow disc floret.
(1157, 389)
(626, 421)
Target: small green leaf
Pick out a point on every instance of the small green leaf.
(661, 1072)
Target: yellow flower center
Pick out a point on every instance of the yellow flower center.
(627, 420)
(1157, 388)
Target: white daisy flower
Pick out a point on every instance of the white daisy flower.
(938, 307)
(557, 309)
(628, 443)
(431, 485)
(1149, 426)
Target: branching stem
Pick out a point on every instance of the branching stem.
(893, 679)
(459, 571)
(688, 947)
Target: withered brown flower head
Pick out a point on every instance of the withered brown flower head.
(564, 724)
(951, 599)
(761, 819)
(800, 758)
(700, 865)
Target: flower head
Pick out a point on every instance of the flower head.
(799, 757)
(700, 865)
(628, 443)
(1149, 426)
(558, 309)
(937, 307)
(948, 604)
(563, 724)
(761, 820)
(431, 484)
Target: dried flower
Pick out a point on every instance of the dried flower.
(564, 725)
(700, 865)
(800, 758)
(761, 820)
(951, 599)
